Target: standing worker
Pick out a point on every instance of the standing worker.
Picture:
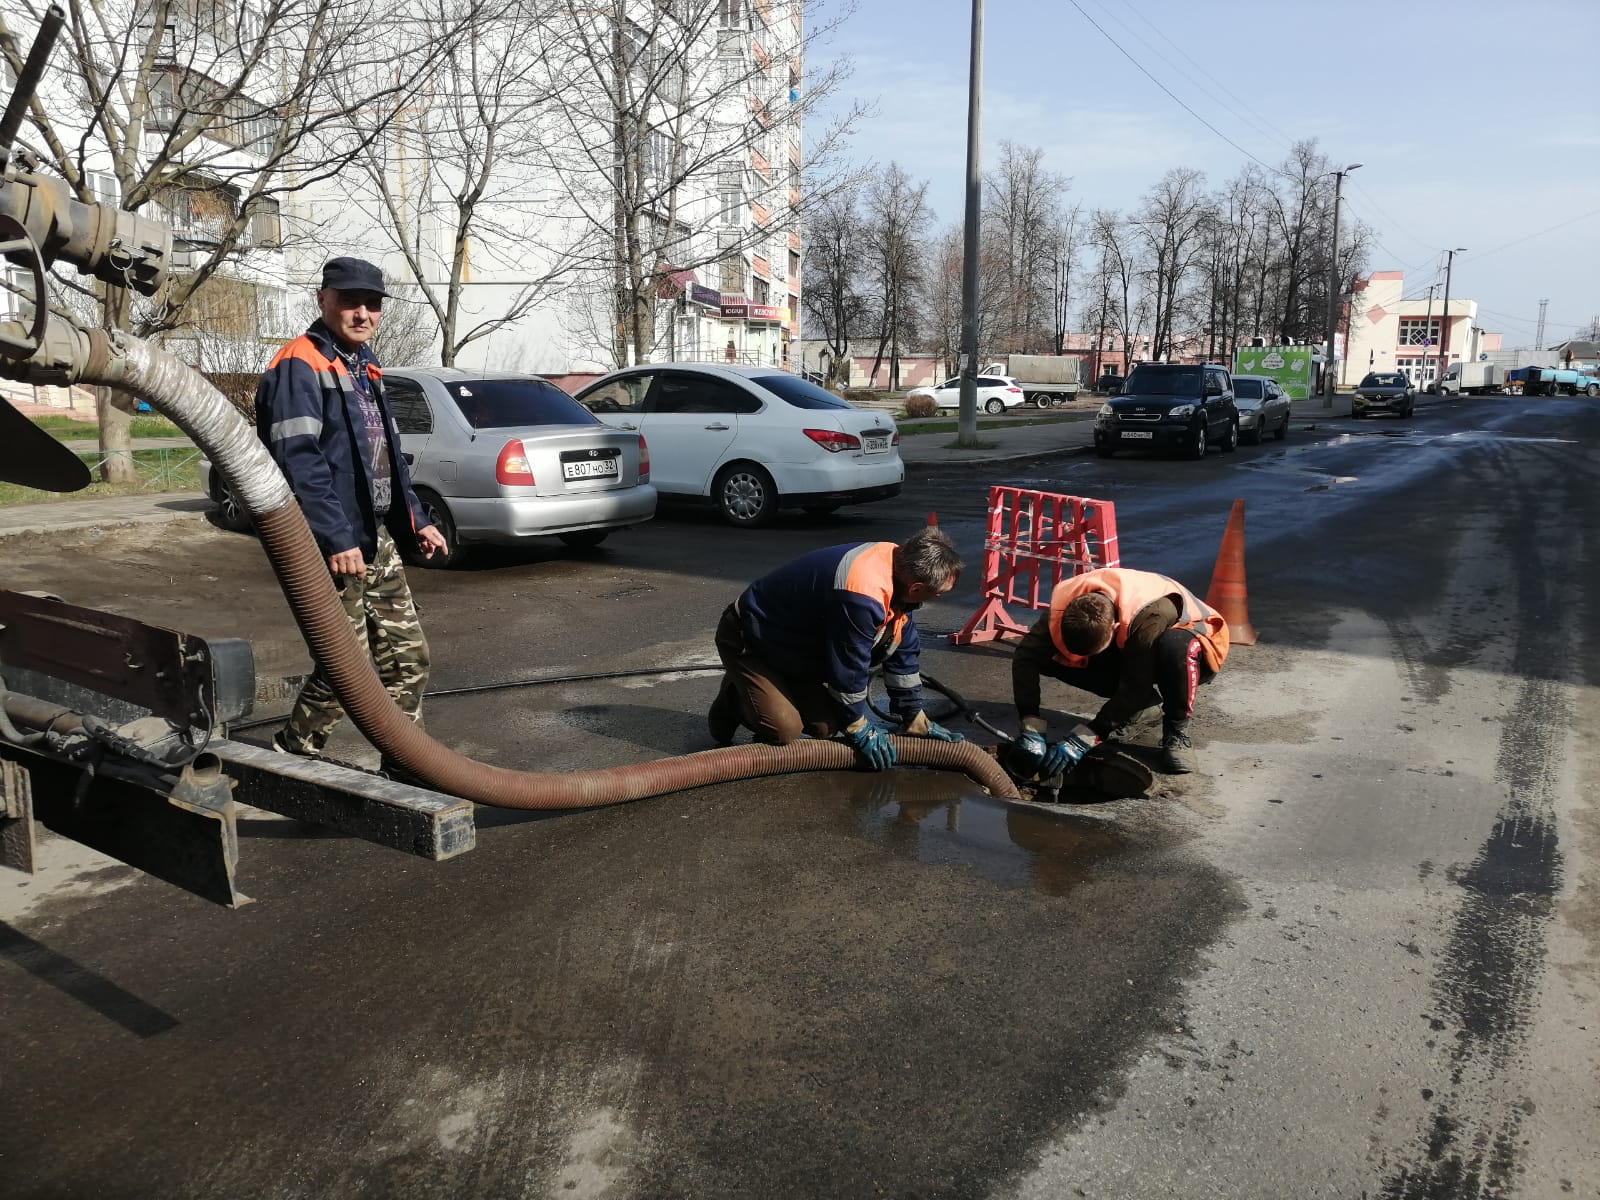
(321, 410)
(800, 644)
(1135, 637)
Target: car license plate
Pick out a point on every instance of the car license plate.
(590, 468)
(874, 445)
(1138, 433)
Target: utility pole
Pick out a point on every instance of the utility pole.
(1538, 334)
(1328, 380)
(1427, 336)
(967, 422)
(1444, 324)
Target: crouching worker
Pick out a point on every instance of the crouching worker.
(800, 644)
(1137, 638)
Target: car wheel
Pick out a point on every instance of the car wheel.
(994, 405)
(230, 512)
(1282, 431)
(1230, 440)
(438, 514)
(745, 495)
(584, 539)
(1592, 390)
(1037, 399)
(1197, 449)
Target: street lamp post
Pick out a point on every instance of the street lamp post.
(967, 419)
(1333, 289)
(1444, 323)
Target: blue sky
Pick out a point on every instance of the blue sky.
(1477, 124)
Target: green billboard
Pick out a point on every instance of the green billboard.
(1289, 365)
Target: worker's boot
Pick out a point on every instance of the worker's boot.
(722, 722)
(1177, 755)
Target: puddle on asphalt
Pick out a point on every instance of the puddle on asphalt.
(1011, 845)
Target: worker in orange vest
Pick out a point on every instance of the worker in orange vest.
(1137, 638)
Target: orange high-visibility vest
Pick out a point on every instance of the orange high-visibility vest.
(1130, 591)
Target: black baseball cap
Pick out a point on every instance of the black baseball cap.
(353, 275)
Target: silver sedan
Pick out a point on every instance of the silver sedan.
(1263, 407)
(497, 458)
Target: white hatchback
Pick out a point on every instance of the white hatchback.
(751, 440)
(996, 393)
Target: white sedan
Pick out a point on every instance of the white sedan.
(751, 440)
(996, 393)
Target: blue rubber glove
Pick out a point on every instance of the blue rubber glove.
(1062, 756)
(1028, 754)
(871, 742)
(921, 726)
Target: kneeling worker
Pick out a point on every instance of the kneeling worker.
(1135, 637)
(800, 644)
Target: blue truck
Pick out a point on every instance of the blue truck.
(1553, 381)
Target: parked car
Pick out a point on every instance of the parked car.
(996, 393)
(1263, 407)
(1108, 385)
(751, 440)
(1391, 390)
(1169, 406)
(499, 457)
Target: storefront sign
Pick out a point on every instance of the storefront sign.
(699, 293)
(743, 310)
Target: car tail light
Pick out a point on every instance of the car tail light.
(1017, 390)
(833, 441)
(512, 465)
(644, 460)
(895, 440)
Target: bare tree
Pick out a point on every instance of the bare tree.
(1170, 223)
(894, 220)
(455, 178)
(672, 114)
(1021, 214)
(835, 245)
(1065, 245)
(209, 113)
(1121, 269)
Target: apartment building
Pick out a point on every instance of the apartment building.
(680, 241)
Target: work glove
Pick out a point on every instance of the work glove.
(1034, 758)
(871, 741)
(921, 726)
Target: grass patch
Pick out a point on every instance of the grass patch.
(912, 427)
(159, 471)
(67, 429)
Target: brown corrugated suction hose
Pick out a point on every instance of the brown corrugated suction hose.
(216, 426)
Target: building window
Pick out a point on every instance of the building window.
(730, 197)
(733, 14)
(103, 188)
(760, 291)
(266, 224)
(794, 264)
(1419, 331)
(272, 314)
(17, 303)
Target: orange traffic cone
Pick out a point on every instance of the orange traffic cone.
(1227, 591)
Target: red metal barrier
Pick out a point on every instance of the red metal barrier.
(1034, 541)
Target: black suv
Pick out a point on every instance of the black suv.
(1169, 406)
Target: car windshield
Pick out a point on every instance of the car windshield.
(1384, 381)
(1246, 389)
(1163, 380)
(800, 393)
(507, 403)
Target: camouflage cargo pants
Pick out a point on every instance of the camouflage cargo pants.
(384, 616)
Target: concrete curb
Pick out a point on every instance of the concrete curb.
(918, 468)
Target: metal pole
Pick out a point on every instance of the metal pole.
(1444, 323)
(1328, 381)
(967, 424)
(1427, 335)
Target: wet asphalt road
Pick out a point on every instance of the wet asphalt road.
(1356, 956)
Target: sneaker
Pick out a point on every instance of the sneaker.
(1177, 755)
(722, 721)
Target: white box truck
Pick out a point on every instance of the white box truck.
(1472, 378)
(1045, 379)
